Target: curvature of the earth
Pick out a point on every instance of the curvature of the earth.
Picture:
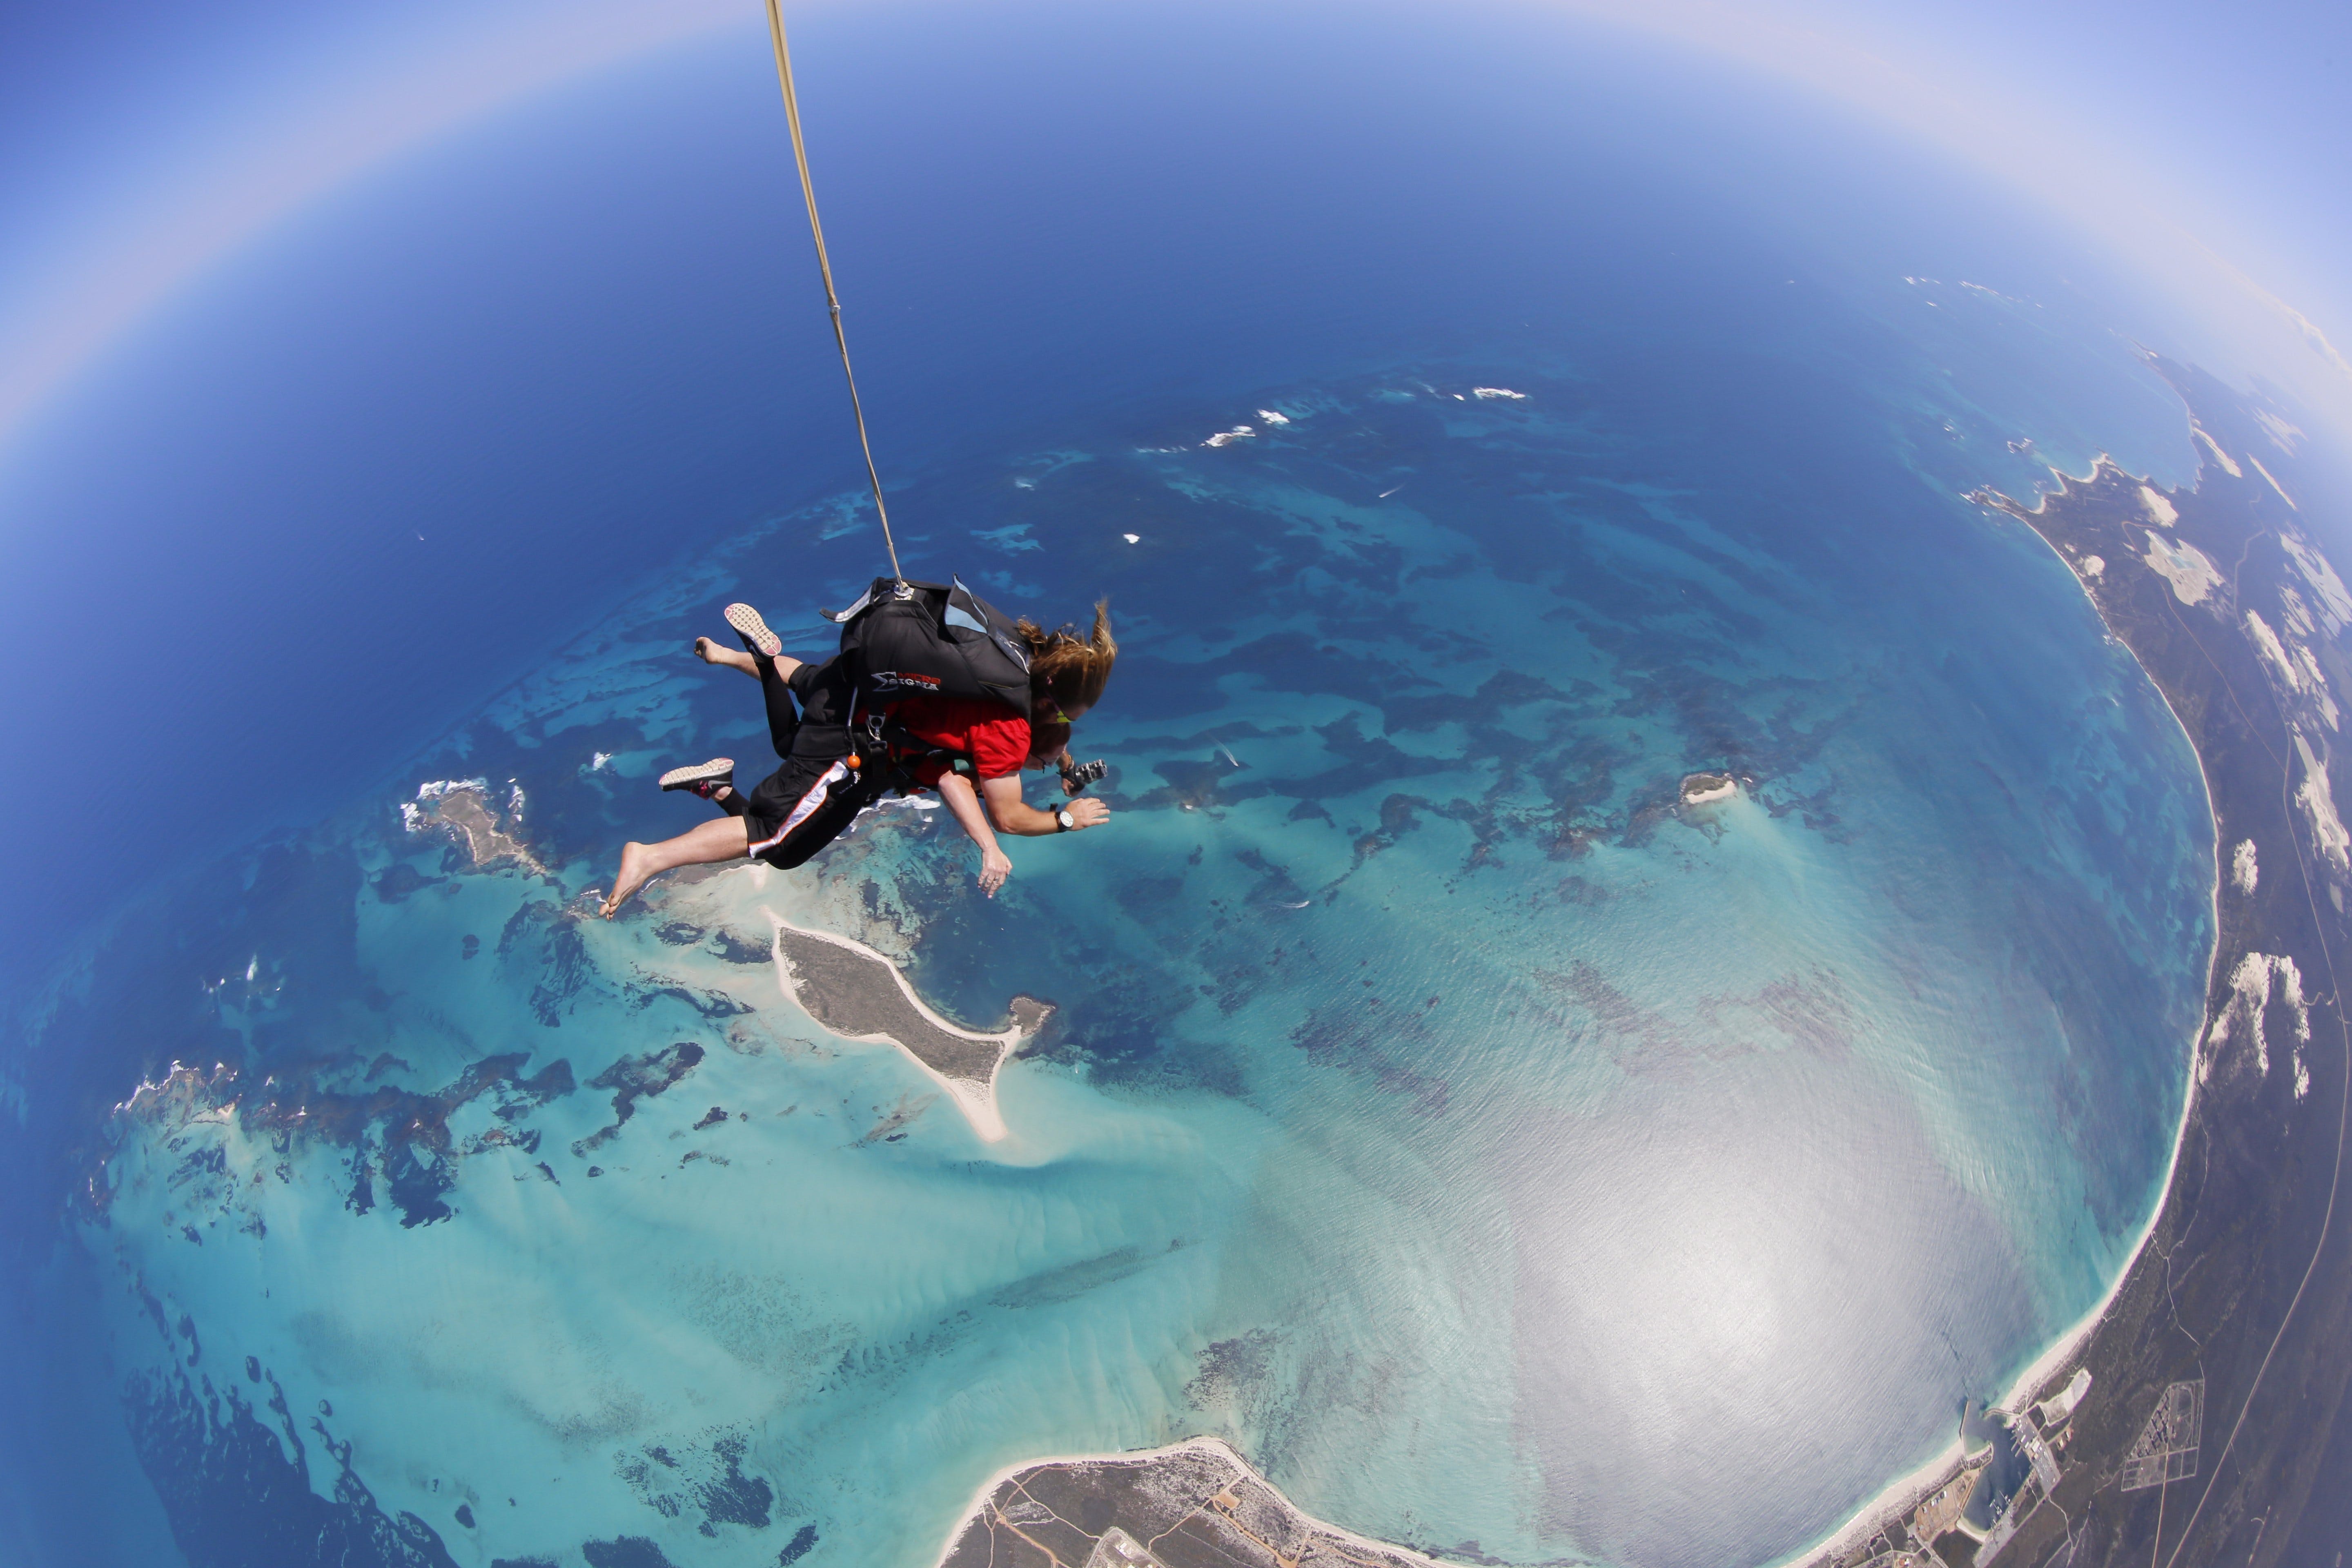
(1507, 1157)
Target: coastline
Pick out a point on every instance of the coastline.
(1900, 1495)
(1377, 1552)
(2053, 1360)
(2064, 1350)
(988, 1488)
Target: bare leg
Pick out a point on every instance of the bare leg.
(713, 842)
(709, 650)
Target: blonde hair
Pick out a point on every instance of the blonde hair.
(1067, 670)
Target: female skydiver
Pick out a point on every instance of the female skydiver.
(805, 804)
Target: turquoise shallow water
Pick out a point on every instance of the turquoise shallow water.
(1498, 1151)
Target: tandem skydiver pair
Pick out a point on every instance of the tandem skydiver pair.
(932, 688)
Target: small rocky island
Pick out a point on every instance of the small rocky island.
(1708, 789)
(462, 809)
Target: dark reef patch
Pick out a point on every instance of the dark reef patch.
(416, 1185)
(540, 945)
(404, 1116)
(1071, 1280)
(1363, 1035)
(732, 1497)
(632, 1079)
(396, 881)
(235, 1498)
(627, 1552)
(408, 1132)
(1231, 1371)
(734, 949)
(678, 1480)
(709, 1004)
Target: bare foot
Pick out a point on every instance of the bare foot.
(709, 650)
(633, 876)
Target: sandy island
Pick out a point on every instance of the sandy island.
(857, 992)
(1707, 789)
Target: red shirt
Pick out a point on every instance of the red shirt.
(995, 737)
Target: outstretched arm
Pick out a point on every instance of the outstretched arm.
(995, 864)
(1016, 816)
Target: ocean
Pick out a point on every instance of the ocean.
(1508, 1158)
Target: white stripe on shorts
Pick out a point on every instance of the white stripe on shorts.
(809, 803)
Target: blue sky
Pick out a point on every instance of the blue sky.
(141, 144)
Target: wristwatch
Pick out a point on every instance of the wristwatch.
(1066, 821)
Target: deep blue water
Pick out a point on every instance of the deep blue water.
(1491, 1150)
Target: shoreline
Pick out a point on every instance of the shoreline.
(976, 1098)
(1899, 1495)
(1904, 1492)
(1202, 1444)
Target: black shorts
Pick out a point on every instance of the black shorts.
(805, 805)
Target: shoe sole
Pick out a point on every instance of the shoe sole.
(684, 778)
(753, 630)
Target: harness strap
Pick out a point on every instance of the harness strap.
(889, 738)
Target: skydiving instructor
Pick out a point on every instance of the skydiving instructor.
(963, 718)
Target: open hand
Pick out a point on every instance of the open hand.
(994, 866)
(1087, 812)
